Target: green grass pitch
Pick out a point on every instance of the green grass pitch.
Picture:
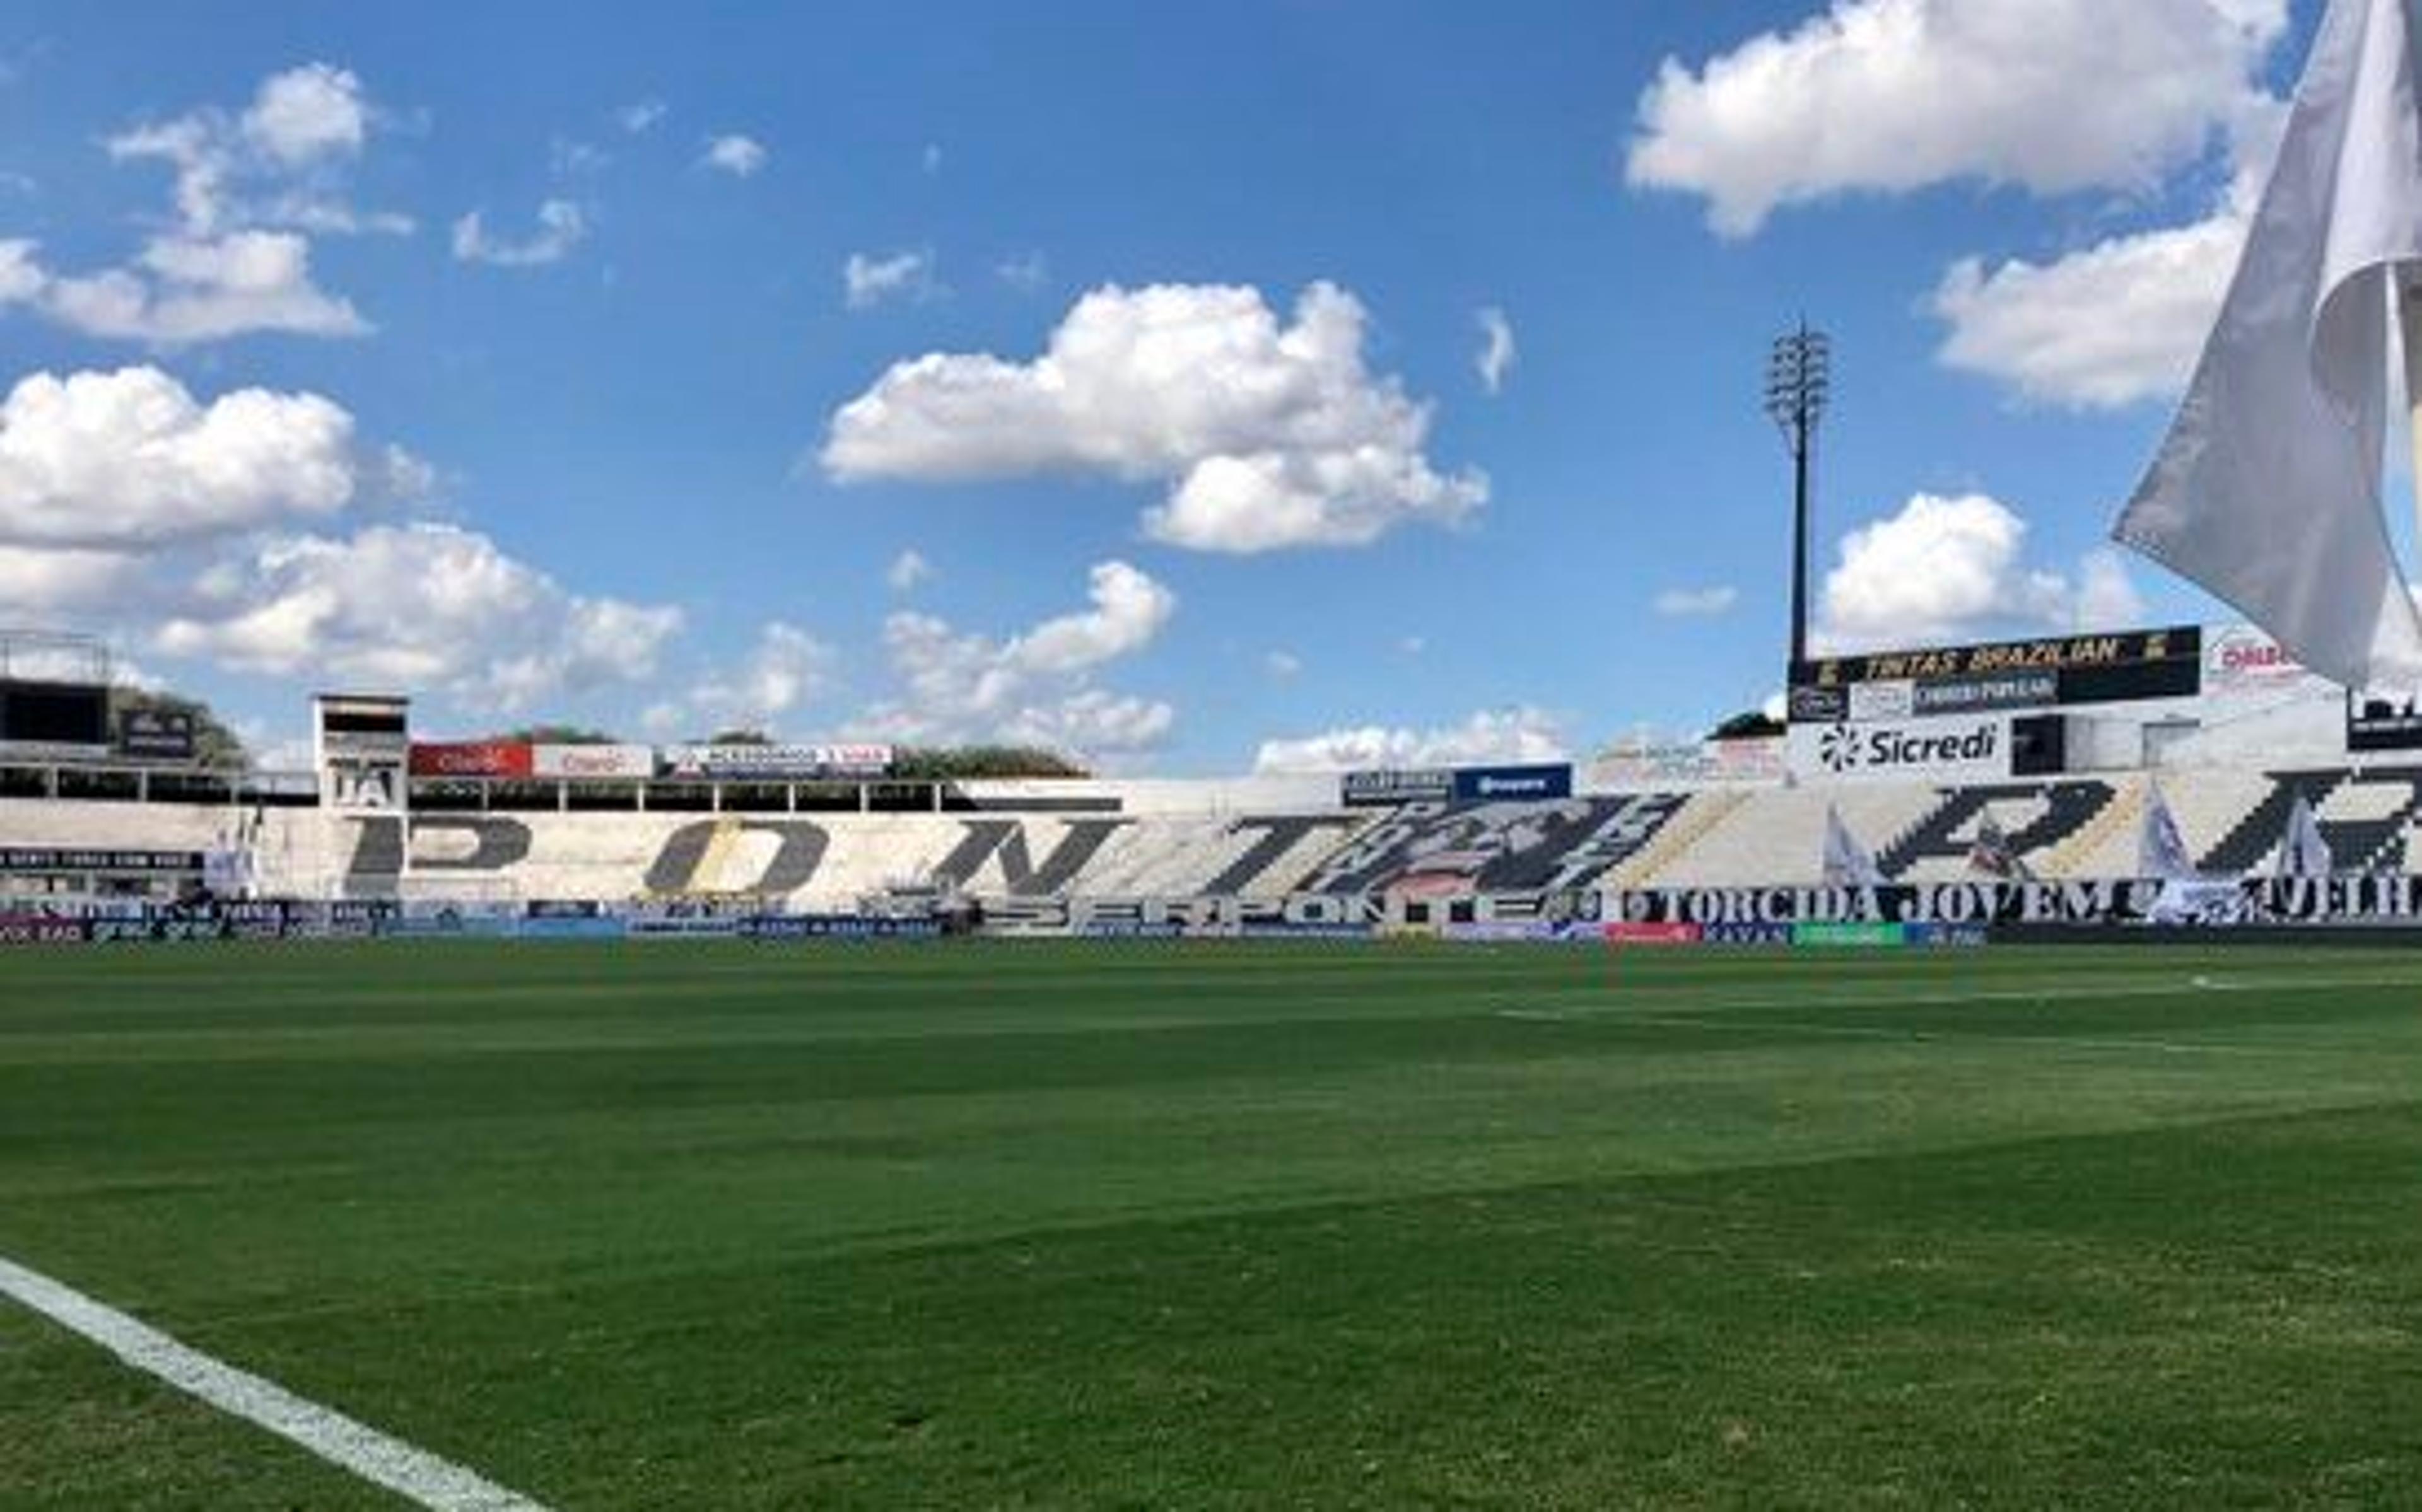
(721, 1226)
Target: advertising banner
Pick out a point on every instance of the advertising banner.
(1947, 936)
(777, 762)
(1944, 749)
(1896, 700)
(837, 926)
(2239, 659)
(685, 928)
(1388, 789)
(48, 858)
(470, 759)
(1746, 935)
(1503, 932)
(155, 735)
(2384, 722)
(569, 926)
(1756, 759)
(40, 930)
(2084, 669)
(1848, 936)
(1653, 932)
(1501, 785)
(594, 763)
(1979, 695)
(1811, 704)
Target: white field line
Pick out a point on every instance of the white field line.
(417, 1474)
(1707, 1016)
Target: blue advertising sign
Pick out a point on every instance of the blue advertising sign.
(1516, 785)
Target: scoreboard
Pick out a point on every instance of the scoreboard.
(54, 715)
(2001, 676)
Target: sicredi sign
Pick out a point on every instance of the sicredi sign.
(1902, 750)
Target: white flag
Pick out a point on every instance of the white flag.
(2267, 490)
(2302, 851)
(1846, 862)
(2161, 849)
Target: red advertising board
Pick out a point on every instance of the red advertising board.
(1628, 933)
(471, 759)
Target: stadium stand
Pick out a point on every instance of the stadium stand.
(2063, 829)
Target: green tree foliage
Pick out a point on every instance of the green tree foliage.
(558, 734)
(1750, 724)
(214, 743)
(969, 762)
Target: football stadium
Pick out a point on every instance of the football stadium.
(1990, 1077)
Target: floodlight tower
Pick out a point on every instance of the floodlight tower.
(1798, 377)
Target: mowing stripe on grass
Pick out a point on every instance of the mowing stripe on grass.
(437, 1484)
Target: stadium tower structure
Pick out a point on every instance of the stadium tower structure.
(1798, 380)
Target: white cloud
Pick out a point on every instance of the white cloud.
(737, 155)
(1282, 665)
(126, 458)
(2106, 597)
(561, 227)
(1129, 610)
(569, 157)
(1504, 735)
(786, 669)
(182, 291)
(51, 580)
(309, 112)
(280, 164)
(1685, 603)
(1268, 436)
(1951, 568)
(213, 529)
(1495, 358)
(21, 279)
(1026, 272)
(641, 116)
(1094, 722)
(250, 191)
(1032, 687)
(421, 607)
(907, 570)
(869, 281)
(1888, 96)
(2099, 329)
(2119, 321)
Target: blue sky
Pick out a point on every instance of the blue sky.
(635, 447)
